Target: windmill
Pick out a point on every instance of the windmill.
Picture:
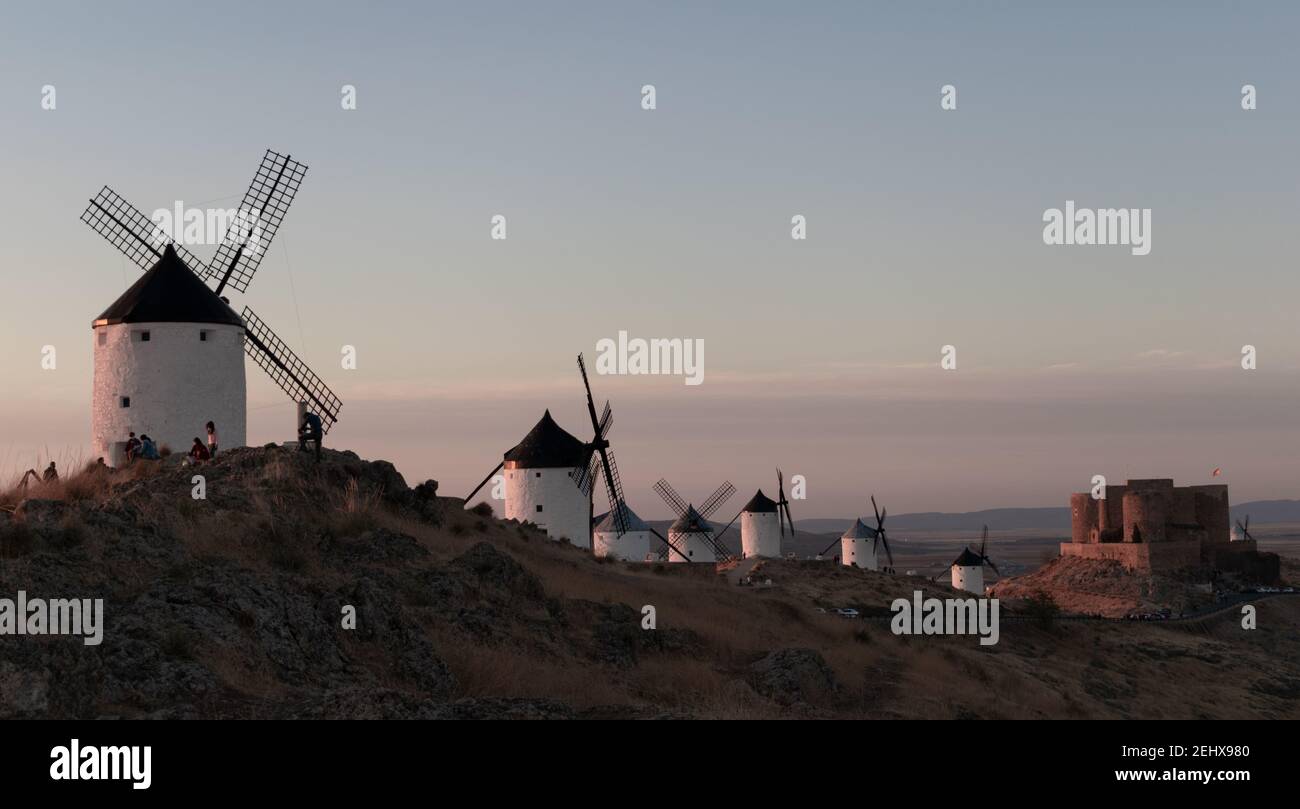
(632, 545)
(861, 544)
(763, 522)
(968, 567)
(1243, 531)
(172, 387)
(550, 475)
(690, 536)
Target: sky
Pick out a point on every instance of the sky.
(924, 229)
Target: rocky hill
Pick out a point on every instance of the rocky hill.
(233, 606)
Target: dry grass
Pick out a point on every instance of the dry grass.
(90, 483)
(503, 671)
(357, 509)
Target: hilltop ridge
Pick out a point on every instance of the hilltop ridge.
(232, 606)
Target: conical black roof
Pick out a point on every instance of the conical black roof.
(606, 524)
(760, 503)
(859, 530)
(548, 446)
(169, 293)
(690, 523)
(968, 558)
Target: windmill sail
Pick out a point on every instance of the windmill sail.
(290, 373)
(720, 551)
(599, 446)
(265, 203)
(585, 475)
(783, 505)
(614, 488)
(724, 491)
(671, 497)
(133, 233)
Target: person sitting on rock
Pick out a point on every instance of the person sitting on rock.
(311, 430)
(198, 452)
(148, 449)
(132, 447)
(51, 474)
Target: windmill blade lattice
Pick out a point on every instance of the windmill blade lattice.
(671, 497)
(600, 446)
(716, 499)
(267, 200)
(614, 488)
(286, 370)
(133, 233)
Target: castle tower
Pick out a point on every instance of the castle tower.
(631, 547)
(1145, 515)
(858, 547)
(760, 528)
(168, 358)
(968, 572)
(1212, 511)
(1084, 519)
(693, 536)
(539, 487)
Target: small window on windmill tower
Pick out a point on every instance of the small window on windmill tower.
(142, 336)
(203, 336)
(103, 337)
(539, 474)
(126, 401)
(539, 507)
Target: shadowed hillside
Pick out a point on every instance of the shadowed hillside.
(231, 607)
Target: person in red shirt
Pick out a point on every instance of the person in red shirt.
(132, 447)
(198, 452)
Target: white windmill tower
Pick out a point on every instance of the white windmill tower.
(968, 567)
(858, 546)
(861, 544)
(169, 357)
(550, 476)
(168, 352)
(539, 485)
(630, 542)
(690, 537)
(763, 522)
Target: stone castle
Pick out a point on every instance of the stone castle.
(1154, 526)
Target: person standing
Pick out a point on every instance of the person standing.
(212, 440)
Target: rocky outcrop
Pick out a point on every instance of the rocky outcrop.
(790, 676)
